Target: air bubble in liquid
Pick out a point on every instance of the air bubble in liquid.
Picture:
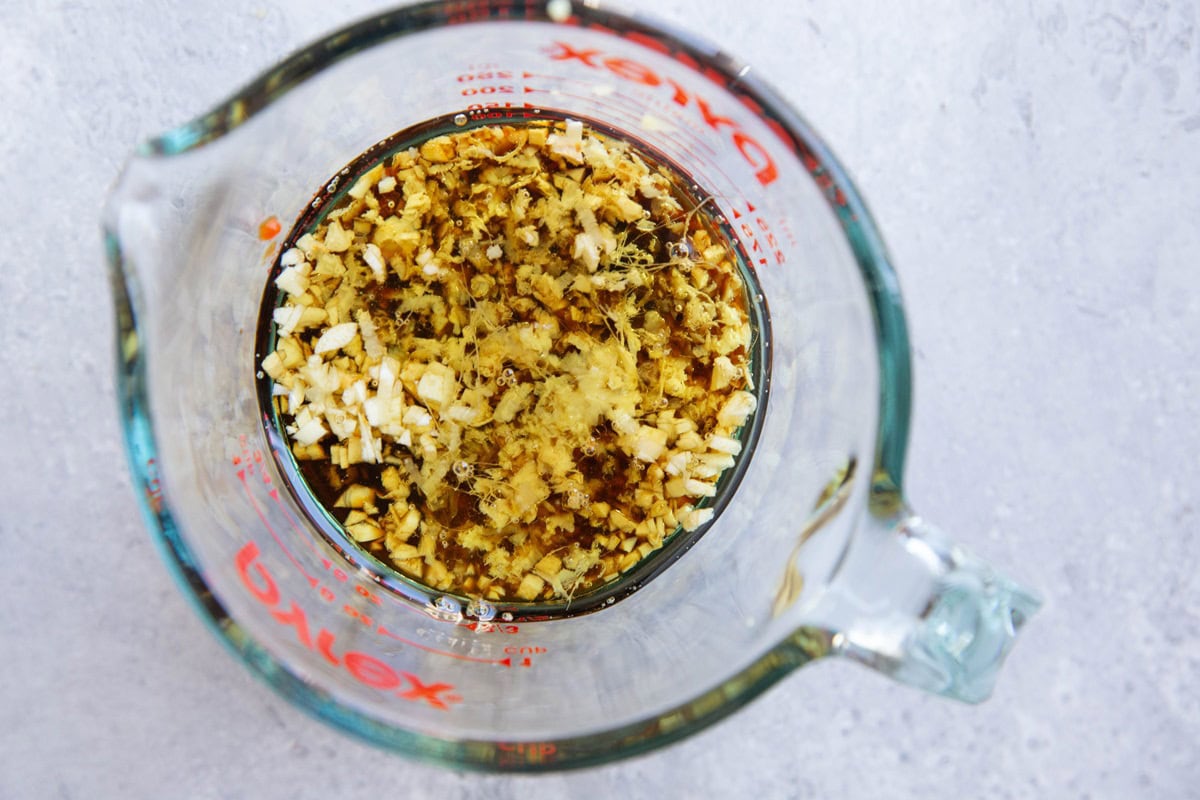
(558, 10)
(482, 610)
(678, 250)
(460, 119)
(463, 470)
(576, 498)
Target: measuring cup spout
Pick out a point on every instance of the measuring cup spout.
(912, 605)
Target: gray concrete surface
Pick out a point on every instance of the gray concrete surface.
(1035, 168)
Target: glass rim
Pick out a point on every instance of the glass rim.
(386, 576)
(625, 740)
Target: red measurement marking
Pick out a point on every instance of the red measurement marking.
(295, 526)
(269, 228)
(541, 748)
(559, 79)
(271, 530)
(750, 235)
(498, 75)
(480, 111)
(514, 649)
(382, 631)
(355, 614)
(527, 752)
(490, 627)
(368, 595)
(488, 89)
(292, 522)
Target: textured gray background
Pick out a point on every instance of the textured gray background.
(1035, 167)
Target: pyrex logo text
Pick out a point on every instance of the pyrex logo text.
(751, 150)
(366, 669)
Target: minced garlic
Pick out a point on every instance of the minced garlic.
(512, 362)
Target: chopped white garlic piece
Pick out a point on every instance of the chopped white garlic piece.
(286, 319)
(569, 145)
(725, 444)
(373, 258)
(291, 257)
(310, 432)
(649, 443)
(695, 517)
(335, 337)
(337, 238)
(294, 279)
(736, 409)
(361, 186)
(370, 336)
(437, 387)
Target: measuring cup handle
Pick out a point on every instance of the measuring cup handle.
(911, 604)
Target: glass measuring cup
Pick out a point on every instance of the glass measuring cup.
(816, 553)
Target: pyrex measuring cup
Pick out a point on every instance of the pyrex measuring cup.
(815, 554)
